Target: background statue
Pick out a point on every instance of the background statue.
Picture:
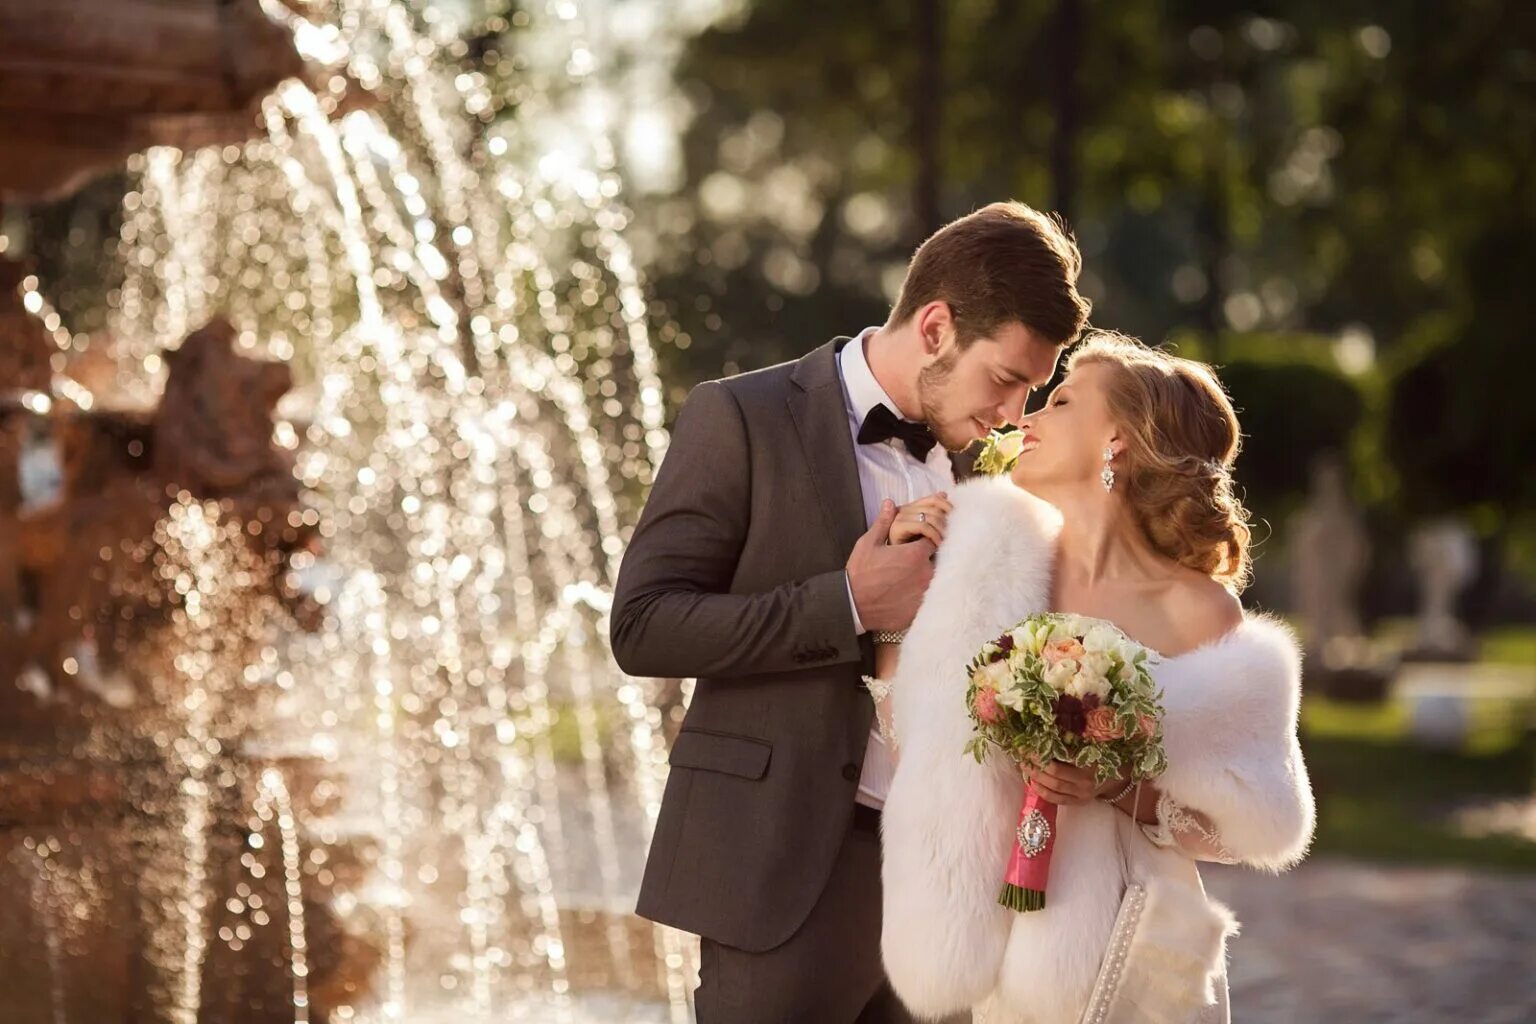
(1443, 555)
(1330, 552)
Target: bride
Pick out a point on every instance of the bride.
(1120, 506)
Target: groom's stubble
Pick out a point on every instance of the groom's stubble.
(933, 389)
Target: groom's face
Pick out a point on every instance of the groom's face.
(967, 392)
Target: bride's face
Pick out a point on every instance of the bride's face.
(1064, 442)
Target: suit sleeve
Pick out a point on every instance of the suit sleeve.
(673, 615)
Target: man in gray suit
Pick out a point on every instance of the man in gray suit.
(756, 569)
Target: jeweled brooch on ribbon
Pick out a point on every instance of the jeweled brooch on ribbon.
(1033, 833)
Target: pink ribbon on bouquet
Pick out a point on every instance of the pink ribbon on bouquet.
(1030, 865)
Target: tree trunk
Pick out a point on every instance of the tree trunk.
(1066, 33)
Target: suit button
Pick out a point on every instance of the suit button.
(851, 772)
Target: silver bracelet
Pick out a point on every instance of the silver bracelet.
(1120, 795)
(889, 636)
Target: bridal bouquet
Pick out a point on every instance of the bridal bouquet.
(1068, 688)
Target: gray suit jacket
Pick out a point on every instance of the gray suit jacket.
(735, 576)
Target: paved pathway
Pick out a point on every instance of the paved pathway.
(1339, 941)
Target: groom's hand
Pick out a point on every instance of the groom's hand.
(888, 580)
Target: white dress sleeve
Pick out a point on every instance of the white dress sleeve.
(880, 692)
(1188, 830)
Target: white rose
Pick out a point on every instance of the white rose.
(1084, 682)
(1102, 638)
(1022, 637)
(1128, 650)
(1059, 630)
(999, 675)
(1011, 699)
(1098, 663)
(1009, 445)
(1057, 676)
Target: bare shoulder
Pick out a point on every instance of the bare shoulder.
(1204, 609)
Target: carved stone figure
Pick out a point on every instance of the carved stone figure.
(1330, 552)
(88, 557)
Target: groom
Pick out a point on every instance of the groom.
(760, 567)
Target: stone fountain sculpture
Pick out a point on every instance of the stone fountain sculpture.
(84, 83)
(210, 437)
(101, 597)
(25, 349)
(151, 867)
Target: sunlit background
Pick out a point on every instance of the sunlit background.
(338, 344)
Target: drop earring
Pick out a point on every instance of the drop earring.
(1108, 476)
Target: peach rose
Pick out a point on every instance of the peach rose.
(1148, 725)
(1102, 725)
(1062, 649)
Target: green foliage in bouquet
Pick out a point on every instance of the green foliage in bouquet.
(998, 453)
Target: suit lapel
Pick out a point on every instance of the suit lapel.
(820, 414)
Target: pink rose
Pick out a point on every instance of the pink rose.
(1102, 725)
(1148, 725)
(985, 704)
(1061, 649)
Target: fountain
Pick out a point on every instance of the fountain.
(84, 83)
(443, 765)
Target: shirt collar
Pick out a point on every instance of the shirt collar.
(863, 391)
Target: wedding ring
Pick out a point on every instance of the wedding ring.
(922, 517)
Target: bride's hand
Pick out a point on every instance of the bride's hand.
(1065, 784)
(924, 517)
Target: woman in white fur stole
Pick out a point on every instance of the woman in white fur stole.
(1120, 506)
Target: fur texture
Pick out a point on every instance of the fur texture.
(1231, 738)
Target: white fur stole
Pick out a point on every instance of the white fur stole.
(1230, 733)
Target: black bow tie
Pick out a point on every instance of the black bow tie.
(882, 424)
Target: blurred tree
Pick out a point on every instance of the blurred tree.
(1291, 414)
(1354, 175)
(928, 109)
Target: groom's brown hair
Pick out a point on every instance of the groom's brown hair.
(1004, 263)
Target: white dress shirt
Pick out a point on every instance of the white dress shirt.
(886, 470)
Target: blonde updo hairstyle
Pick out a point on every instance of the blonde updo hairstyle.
(1181, 438)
